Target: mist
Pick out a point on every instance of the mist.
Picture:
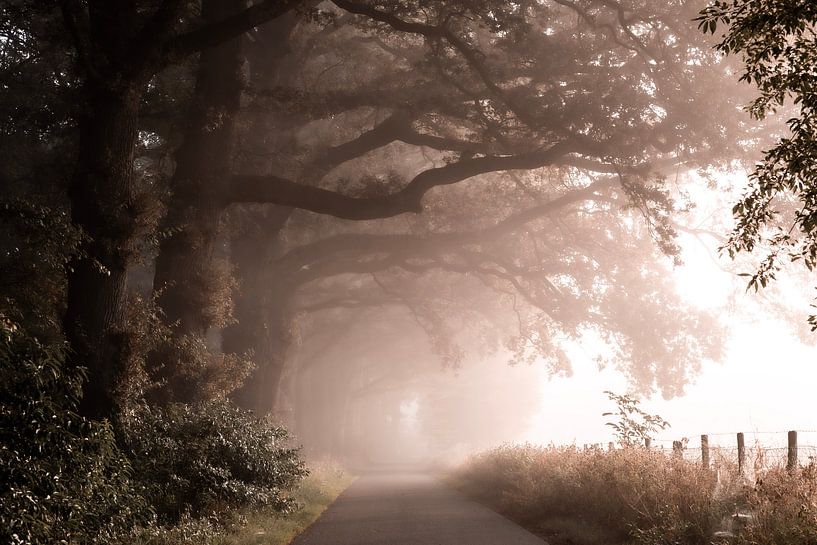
(252, 251)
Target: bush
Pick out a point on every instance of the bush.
(315, 493)
(62, 478)
(627, 494)
(164, 368)
(208, 458)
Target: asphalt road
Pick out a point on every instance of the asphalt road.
(410, 509)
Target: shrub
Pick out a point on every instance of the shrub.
(207, 458)
(632, 426)
(62, 478)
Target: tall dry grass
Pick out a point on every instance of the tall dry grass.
(783, 506)
(593, 496)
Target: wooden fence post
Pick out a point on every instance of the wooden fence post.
(647, 443)
(741, 454)
(791, 464)
(705, 451)
(678, 449)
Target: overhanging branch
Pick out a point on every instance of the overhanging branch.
(276, 190)
(344, 252)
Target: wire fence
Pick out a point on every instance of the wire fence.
(749, 453)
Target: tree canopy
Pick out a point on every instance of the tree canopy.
(776, 42)
(308, 208)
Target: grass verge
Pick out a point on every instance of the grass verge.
(324, 483)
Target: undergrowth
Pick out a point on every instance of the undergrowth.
(784, 508)
(325, 482)
(594, 497)
(258, 525)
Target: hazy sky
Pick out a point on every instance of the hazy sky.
(767, 381)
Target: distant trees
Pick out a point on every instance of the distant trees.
(777, 44)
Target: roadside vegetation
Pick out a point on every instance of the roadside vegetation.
(590, 497)
(636, 496)
(316, 492)
(203, 473)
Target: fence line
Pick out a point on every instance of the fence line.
(796, 454)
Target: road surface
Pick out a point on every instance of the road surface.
(410, 509)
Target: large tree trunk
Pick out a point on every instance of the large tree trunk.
(265, 329)
(120, 46)
(184, 267)
(102, 204)
(193, 291)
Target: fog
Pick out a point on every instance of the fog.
(252, 250)
(442, 415)
(409, 231)
(410, 405)
(504, 309)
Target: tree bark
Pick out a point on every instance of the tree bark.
(262, 304)
(102, 204)
(184, 266)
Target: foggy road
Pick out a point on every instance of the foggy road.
(410, 509)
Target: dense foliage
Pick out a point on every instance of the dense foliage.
(778, 45)
(38, 242)
(62, 477)
(207, 458)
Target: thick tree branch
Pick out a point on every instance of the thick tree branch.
(395, 128)
(276, 190)
(429, 31)
(381, 135)
(309, 262)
